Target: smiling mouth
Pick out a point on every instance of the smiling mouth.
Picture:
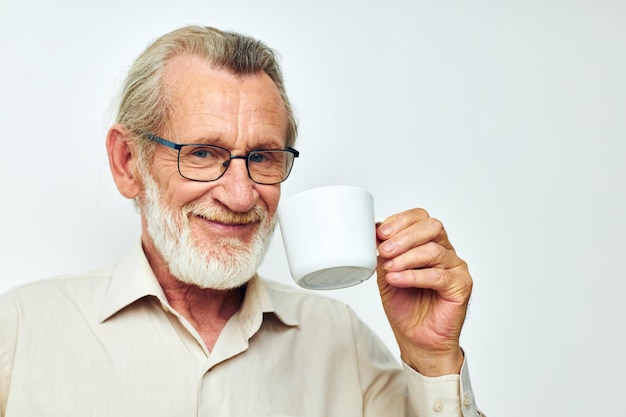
(256, 215)
(228, 221)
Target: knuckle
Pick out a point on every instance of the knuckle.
(421, 213)
(438, 276)
(464, 280)
(436, 253)
(436, 225)
(469, 282)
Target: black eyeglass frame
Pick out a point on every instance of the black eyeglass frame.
(246, 157)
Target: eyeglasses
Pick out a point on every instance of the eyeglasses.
(207, 163)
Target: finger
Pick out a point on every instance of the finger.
(397, 222)
(452, 284)
(428, 255)
(414, 235)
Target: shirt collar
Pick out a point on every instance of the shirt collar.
(263, 297)
(134, 279)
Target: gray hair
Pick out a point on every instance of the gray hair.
(144, 102)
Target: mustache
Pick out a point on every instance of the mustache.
(224, 215)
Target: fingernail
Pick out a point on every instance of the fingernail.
(388, 246)
(385, 230)
(392, 276)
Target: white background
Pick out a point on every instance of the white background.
(505, 119)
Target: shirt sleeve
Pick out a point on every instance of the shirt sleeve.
(8, 332)
(443, 396)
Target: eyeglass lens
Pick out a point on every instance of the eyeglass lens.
(208, 163)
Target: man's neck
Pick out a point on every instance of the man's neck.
(206, 310)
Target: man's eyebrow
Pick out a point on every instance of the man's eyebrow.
(257, 144)
(268, 144)
(206, 140)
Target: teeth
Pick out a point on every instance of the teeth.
(228, 220)
(256, 215)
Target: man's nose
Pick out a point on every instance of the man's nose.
(235, 189)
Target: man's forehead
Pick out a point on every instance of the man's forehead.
(202, 98)
(190, 80)
(189, 74)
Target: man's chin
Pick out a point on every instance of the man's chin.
(216, 284)
(222, 263)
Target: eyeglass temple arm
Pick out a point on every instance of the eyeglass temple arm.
(162, 141)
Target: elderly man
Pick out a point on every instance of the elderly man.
(183, 326)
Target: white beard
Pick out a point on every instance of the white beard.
(223, 264)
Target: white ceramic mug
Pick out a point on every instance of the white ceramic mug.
(329, 234)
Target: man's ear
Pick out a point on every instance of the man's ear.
(123, 161)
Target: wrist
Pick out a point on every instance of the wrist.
(434, 364)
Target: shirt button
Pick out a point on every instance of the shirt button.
(438, 406)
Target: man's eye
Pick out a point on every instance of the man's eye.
(257, 157)
(202, 153)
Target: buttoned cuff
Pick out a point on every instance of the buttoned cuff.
(443, 396)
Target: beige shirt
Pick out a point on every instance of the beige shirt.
(107, 343)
